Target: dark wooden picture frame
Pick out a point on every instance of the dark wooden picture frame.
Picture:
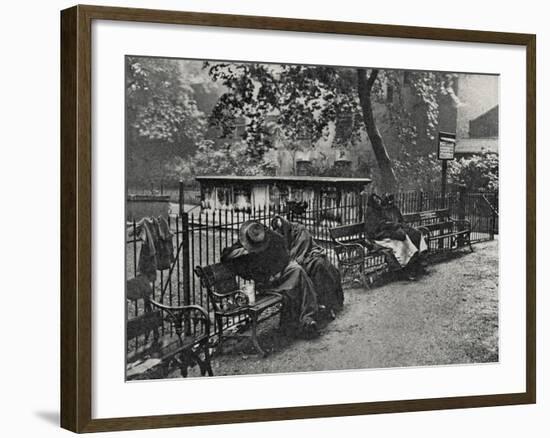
(76, 218)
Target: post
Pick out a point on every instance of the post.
(461, 206)
(185, 266)
(443, 182)
(186, 283)
(493, 221)
(462, 202)
(181, 199)
(364, 200)
(185, 256)
(359, 197)
(445, 151)
(442, 227)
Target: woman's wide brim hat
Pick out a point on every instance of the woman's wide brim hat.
(254, 236)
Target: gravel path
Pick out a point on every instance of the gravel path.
(449, 316)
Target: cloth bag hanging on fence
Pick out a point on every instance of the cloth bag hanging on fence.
(165, 245)
(147, 264)
(157, 250)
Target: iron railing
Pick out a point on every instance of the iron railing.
(200, 237)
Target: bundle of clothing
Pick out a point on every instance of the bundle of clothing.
(157, 249)
(278, 263)
(309, 255)
(386, 228)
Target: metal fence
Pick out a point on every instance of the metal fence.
(480, 208)
(200, 237)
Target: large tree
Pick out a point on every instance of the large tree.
(299, 101)
(163, 119)
(364, 90)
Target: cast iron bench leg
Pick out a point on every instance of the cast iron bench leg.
(364, 276)
(183, 364)
(219, 322)
(207, 359)
(201, 363)
(254, 336)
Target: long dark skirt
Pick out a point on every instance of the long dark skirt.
(300, 302)
(326, 282)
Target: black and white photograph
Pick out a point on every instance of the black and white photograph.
(271, 219)
(288, 218)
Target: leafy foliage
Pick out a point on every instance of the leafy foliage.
(295, 102)
(161, 106)
(291, 101)
(418, 172)
(479, 172)
(220, 159)
(257, 107)
(163, 119)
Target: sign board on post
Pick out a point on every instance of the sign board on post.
(445, 151)
(446, 146)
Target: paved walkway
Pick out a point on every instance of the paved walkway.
(449, 316)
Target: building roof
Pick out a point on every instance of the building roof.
(485, 125)
(476, 146)
(482, 116)
(306, 180)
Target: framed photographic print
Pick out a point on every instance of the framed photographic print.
(270, 218)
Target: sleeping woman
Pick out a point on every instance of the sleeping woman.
(308, 254)
(261, 255)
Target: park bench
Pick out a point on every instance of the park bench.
(444, 233)
(229, 302)
(163, 338)
(350, 246)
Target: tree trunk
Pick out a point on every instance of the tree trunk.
(364, 87)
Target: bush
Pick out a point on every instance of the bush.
(417, 172)
(479, 172)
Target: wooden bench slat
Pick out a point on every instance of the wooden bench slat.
(426, 215)
(266, 302)
(344, 231)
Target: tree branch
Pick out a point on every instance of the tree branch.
(364, 87)
(372, 77)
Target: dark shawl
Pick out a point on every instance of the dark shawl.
(258, 266)
(384, 220)
(305, 251)
(272, 269)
